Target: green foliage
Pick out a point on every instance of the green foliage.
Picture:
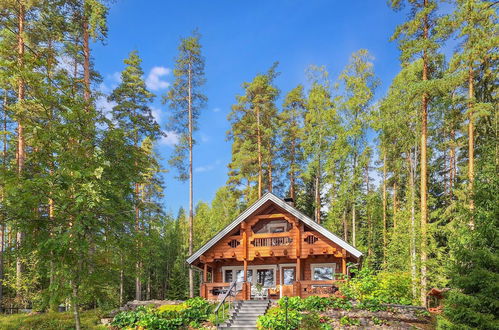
(384, 287)
(192, 312)
(315, 321)
(314, 303)
(346, 320)
(473, 301)
(48, 321)
(275, 318)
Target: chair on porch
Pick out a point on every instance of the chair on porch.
(259, 294)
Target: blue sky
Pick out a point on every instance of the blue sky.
(240, 39)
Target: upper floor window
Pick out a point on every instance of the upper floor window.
(269, 226)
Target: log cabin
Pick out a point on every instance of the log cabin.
(273, 250)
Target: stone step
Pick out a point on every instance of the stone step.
(250, 313)
(244, 317)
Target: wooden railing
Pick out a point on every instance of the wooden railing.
(272, 241)
(319, 288)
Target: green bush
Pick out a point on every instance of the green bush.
(371, 304)
(315, 303)
(192, 312)
(294, 303)
(386, 287)
(275, 318)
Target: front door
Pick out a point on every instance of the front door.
(288, 279)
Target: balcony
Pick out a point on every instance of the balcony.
(272, 241)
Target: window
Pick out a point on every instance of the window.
(228, 275)
(288, 276)
(240, 275)
(277, 229)
(265, 277)
(323, 272)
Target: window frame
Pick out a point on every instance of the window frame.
(323, 265)
(254, 277)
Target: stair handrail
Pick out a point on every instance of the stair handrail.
(228, 293)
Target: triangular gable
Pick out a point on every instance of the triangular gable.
(288, 208)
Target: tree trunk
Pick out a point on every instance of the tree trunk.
(395, 204)
(148, 286)
(20, 132)
(292, 171)
(270, 172)
(122, 282)
(138, 268)
(452, 163)
(471, 143)
(354, 224)
(86, 62)
(384, 209)
(2, 220)
(424, 174)
(259, 146)
(368, 211)
(74, 304)
(412, 172)
(317, 200)
(191, 206)
(345, 225)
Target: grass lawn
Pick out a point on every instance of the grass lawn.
(89, 320)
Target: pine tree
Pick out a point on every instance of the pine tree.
(359, 83)
(474, 276)
(291, 125)
(134, 116)
(475, 22)
(321, 128)
(253, 131)
(186, 99)
(418, 40)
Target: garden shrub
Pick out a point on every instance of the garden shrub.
(371, 304)
(386, 287)
(294, 303)
(275, 318)
(315, 303)
(192, 312)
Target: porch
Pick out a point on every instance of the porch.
(319, 276)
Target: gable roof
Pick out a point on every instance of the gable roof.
(288, 208)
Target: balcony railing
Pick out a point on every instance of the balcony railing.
(272, 241)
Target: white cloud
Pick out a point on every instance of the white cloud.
(206, 168)
(216, 110)
(102, 103)
(106, 106)
(153, 80)
(116, 77)
(171, 139)
(156, 113)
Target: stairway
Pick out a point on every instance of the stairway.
(245, 314)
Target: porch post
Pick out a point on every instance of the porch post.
(205, 273)
(344, 262)
(298, 269)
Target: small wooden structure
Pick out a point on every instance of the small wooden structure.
(273, 250)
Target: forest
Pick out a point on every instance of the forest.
(410, 178)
